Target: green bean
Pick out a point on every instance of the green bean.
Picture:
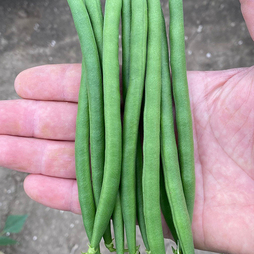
(94, 89)
(139, 194)
(118, 226)
(170, 162)
(82, 158)
(80, 17)
(126, 35)
(165, 206)
(113, 131)
(182, 102)
(97, 135)
(96, 114)
(151, 146)
(132, 116)
(96, 17)
(95, 99)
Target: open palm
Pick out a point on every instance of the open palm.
(37, 136)
(223, 113)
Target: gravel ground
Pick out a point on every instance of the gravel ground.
(42, 32)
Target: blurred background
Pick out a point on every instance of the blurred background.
(33, 33)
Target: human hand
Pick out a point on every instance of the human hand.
(247, 7)
(37, 136)
(223, 120)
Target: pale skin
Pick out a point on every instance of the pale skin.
(37, 136)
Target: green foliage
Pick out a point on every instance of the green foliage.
(5, 240)
(13, 224)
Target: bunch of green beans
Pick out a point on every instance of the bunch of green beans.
(129, 164)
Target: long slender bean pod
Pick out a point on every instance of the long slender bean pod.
(113, 131)
(165, 207)
(82, 126)
(95, 99)
(170, 162)
(118, 226)
(132, 116)
(139, 194)
(82, 159)
(151, 146)
(95, 13)
(182, 102)
(96, 105)
(126, 35)
(97, 162)
(96, 113)
(94, 89)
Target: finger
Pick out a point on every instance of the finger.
(53, 192)
(40, 119)
(247, 7)
(52, 158)
(50, 82)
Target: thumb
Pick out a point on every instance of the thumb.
(247, 7)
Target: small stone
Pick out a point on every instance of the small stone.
(208, 55)
(36, 27)
(200, 28)
(240, 42)
(53, 43)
